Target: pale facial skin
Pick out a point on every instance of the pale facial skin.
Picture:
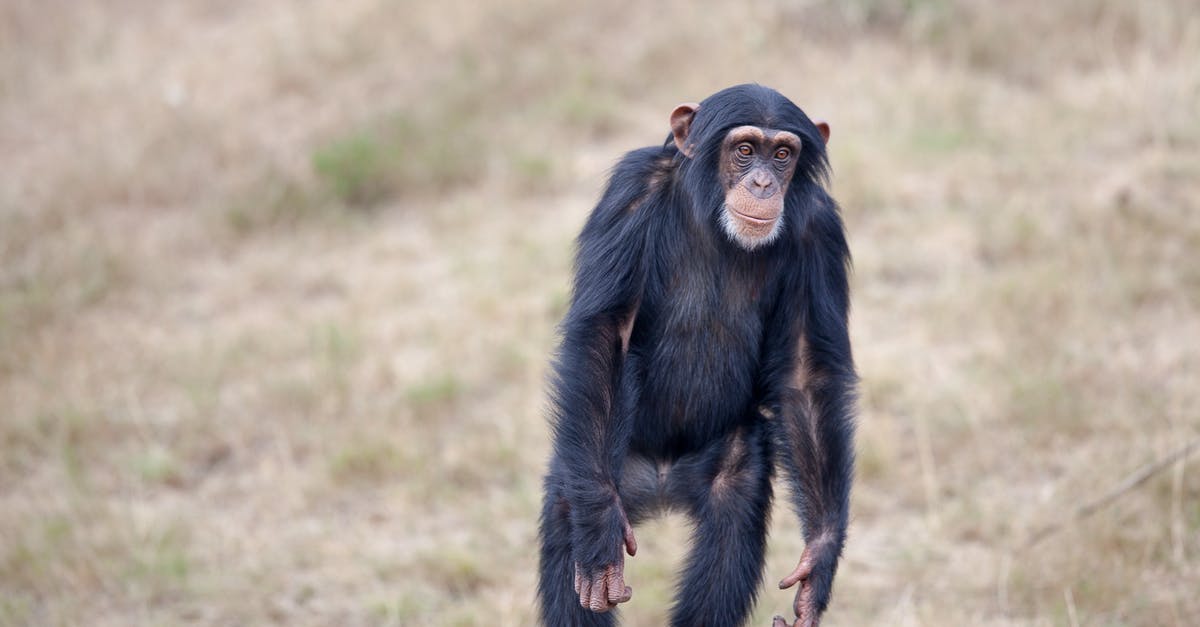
(756, 165)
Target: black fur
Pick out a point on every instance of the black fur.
(706, 401)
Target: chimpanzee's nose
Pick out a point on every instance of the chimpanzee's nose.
(762, 185)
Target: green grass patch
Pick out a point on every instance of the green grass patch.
(52, 283)
(940, 140)
(407, 153)
(356, 167)
(275, 200)
(365, 461)
(160, 559)
(15, 611)
(459, 571)
(157, 465)
(335, 344)
(1041, 398)
(441, 389)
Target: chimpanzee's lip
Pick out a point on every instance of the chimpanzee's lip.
(753, 218)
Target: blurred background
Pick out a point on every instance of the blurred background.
(279, 283)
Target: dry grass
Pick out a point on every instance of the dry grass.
(278, 284)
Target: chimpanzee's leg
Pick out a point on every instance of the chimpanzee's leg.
(728, 495)
(559, 600)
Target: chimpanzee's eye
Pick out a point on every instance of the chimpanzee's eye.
(745, 150)
(783, 153)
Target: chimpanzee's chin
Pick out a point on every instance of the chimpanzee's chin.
(748, 232)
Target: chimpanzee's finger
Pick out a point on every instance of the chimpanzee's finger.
(599, 599)
(618, 592)
(805, 608)
(585, 592)
(802, 571)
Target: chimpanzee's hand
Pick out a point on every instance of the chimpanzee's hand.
(601, 585)
(814, 573)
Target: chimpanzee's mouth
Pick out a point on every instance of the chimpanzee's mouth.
(755, 219)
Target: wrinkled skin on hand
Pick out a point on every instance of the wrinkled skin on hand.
(603, 588)
(814, 573)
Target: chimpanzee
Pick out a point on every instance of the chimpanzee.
(706, 341)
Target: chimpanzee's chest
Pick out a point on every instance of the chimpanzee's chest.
(698, 351)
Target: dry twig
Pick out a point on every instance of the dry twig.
(1135, 479)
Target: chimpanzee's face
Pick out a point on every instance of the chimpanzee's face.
(755, 167)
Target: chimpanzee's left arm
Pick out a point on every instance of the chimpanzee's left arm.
(812, 387)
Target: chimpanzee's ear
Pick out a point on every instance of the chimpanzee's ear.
(823, 129)
(681, 124)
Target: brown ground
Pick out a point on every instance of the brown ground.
(278, 285)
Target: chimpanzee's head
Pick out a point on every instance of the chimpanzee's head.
(750, 156)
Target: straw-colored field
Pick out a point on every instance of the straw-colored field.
(279, 282)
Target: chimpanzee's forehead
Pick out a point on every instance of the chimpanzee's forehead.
(758, 134)
(714, 123)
